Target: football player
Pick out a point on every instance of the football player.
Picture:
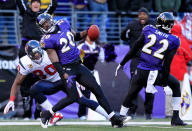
(59, 42)
(158, 48)
(37, 62)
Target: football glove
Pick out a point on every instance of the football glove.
(9, 105)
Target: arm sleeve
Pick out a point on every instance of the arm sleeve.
(22, 6)
(125, 33)
(47, 43)
(138, 44)
(52, 6)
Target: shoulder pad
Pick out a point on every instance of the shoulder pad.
(25, 62)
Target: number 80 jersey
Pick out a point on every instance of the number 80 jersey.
(45, 70)
(156, 46)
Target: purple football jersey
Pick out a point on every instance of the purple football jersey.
(62, 42)
(156, 45)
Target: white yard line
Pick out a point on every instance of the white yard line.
(92, 123)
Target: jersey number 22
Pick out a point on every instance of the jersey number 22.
(158, 53)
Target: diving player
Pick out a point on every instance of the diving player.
(37, 62)
(158, 48)
(59, 42)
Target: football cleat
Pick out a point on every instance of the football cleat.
(126, 119)
(45, 117)
(116, 121)
(148, 116)
(176, 121)
(56, 117)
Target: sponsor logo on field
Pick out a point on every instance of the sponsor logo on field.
(185, 103)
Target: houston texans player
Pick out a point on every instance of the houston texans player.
(158, 48)
(59, 42)
(37, 62)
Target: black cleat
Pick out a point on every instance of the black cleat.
(45, 117)
(116, 121)
(176, 121)
(148, 116)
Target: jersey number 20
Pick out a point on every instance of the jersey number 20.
(152, 42)
(66, 42)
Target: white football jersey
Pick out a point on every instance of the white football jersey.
(45, 70)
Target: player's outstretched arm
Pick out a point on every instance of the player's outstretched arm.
(79, 35)
(138, 44)
(18, 80)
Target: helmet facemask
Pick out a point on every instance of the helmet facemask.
(165, 21)
(36, 55)
(46, 23)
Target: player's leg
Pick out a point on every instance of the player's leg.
(86, 79)
(82, 112)
(133, 107)
(77, 96)
(42, 88)
(149, 99)
(26, 98)
(174, 84)
(136, 84)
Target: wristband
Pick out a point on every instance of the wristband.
(12, 98)
(77, 36)
(59, 68)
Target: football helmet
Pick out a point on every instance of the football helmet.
(34, 51)
(46, 23)
(165, 21)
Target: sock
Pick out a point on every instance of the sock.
(51, 111)
(46, 105)
(111, 114)
(123, 110)
(176, 103)
(101, 111)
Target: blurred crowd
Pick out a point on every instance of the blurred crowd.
(120, 7)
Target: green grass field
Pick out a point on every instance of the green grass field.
(76, 125)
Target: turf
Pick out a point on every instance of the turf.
(65, 125)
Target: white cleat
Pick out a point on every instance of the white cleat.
(126, 119)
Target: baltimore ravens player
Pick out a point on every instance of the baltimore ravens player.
(37, 62)
(59, 42)
(158, 48)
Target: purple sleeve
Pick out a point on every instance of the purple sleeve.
(66, 24)
(145, 28)
(48, 42)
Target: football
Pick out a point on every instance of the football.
(93, 32)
